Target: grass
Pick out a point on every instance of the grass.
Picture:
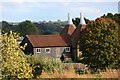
(72, 74)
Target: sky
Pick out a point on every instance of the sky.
(53, 10)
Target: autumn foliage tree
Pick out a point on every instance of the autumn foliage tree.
(100, 45)
(14, 63)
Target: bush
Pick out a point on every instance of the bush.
(14, 63)
(81, 72)
(68, 60)
(46, 64)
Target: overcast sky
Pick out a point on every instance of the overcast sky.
(52, 10)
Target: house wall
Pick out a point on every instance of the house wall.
(55, 52)
(28, 48)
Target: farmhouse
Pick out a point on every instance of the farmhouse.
(61, 45)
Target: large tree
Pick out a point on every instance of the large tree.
(6, 27)
(27, 28)
(100, 45)
(115, 17)
(14, 64)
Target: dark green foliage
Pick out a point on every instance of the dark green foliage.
(100, 45)
(37, 70)
(50, 27)
(76, 21)
(27, 28)
(6, 27)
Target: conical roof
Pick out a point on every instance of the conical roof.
(69, 19)
(69, 28)
(82, 21)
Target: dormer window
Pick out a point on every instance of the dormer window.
(67, 49)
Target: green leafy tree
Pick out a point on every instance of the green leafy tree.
(5, 26)
(14, 63)
(100, 45)
(27, 28)
(76, 21)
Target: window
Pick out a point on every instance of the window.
(67, 49)
(38, 50)
(47, 50)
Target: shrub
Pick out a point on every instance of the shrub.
(81, 72)
(68, 60)
(14, 63)
(46, 64)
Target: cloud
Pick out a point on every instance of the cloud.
(53, 10)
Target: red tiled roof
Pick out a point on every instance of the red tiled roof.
(48, 40)
(76, 33)
(78, 29)
(69, 29)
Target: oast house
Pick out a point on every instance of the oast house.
(63, 45)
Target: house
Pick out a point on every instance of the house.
(60, 45)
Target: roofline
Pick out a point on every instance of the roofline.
(43, 35)
(51, 46)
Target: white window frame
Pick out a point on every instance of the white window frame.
(67, 49)
(38, 50)
(49, 50)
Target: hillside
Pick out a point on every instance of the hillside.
(43, 27)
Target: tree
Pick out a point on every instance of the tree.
(13, 59)
(115, 17)
(27, 28)
(100, 45)
(76, 21)
(5, 26)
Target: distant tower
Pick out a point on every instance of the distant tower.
(119, 7)
(69, 28)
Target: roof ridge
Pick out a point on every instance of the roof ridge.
(44, 35)
(48, 40)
